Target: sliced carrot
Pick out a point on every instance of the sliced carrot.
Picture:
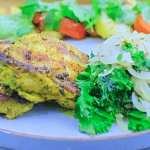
(38, 18)
(141, 25)
(70, 28)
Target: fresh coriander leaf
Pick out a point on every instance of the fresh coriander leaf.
(92, 54)
(127, 47)
(57, 25)
(31, 7)
(45, 7)
(29, 10)
(137, 8)
(51, 21)
(95, 5)
(10, 24)
(128, 17)
(23, 30)
(140, 61)
(73, 10)
(49, 18)
(144, 9)
(103, 3)
(114, 11)
(148, 2)
(92, 19)
(120, 56)
(67, 12)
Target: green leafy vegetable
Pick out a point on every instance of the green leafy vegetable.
(13, 26)
(129, 16)
(114, 10)
(144, 9)
(76, 12)
(101, 98)
(92, 54)
(54, 14)
(148, 2)
(120, 56)
(23, 30)
(127, 47)
(138, 121)
(30, 8)
(66, 8)
(52, 23)
(141, 61)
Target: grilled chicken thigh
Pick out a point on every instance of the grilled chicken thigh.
(40, 68)
(12, 106)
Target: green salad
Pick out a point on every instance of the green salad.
(105, 18)
(115, 86)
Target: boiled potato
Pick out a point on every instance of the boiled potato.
(106, 27)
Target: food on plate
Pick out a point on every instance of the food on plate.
(116, 86)
(14, 26)
(141, 25)
(68, 18)
(41, 68)
(71, 28)
(106, 27)
(12, 105)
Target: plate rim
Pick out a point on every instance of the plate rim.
(25, 135)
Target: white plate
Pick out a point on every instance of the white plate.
(51, 126)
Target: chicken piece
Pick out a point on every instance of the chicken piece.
(40, 68)
(13, 106)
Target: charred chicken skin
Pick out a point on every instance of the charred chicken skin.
(41, 68)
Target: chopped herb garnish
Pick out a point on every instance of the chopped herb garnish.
(127, 47)
(120, 56)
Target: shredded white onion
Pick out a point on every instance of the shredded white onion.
(144, 87)
(141, 75)
(111, 48)
(108, 54)
(137, 104)
(121, 123)
(146, 104)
